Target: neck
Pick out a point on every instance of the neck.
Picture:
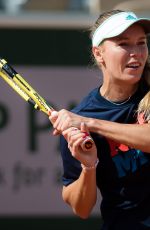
(117, 93)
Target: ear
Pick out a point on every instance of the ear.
(98, 54)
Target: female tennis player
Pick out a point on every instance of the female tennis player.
(119, 162)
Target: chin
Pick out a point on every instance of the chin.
(134, 74)
(132, 79)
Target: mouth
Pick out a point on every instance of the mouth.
(133, 65)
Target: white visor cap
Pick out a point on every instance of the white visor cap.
(116, 25)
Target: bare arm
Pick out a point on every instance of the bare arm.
(81, 195)
(133, 135)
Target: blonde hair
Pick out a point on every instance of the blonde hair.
(144, 105)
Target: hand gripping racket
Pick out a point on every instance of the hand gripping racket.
(24, 89)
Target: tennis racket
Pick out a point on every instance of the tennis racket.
(24, 89)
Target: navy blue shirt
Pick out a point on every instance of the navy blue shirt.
(123, 173)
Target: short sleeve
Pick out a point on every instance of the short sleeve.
(71, 166)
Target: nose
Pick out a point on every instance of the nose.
(136, 51)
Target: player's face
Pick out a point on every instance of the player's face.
(124, 57)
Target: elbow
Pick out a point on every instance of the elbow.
(82, 214)
(83, 211)
(80, 209)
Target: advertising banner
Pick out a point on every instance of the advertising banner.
(30, 161)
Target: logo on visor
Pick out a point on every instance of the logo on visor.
(130, 17)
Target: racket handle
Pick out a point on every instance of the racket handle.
(87, 144)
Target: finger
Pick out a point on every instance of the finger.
(54, 113)
(53, 116)
(70, 132)
(84, 127)
(56, 132)
(74, 134)
(75, 138)
(66, 133)
(64, 121)
(76, 147)
(58, 122)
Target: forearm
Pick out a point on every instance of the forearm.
(81, 195)
(133, 135)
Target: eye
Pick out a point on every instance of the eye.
(142, 43)
(123, 44)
